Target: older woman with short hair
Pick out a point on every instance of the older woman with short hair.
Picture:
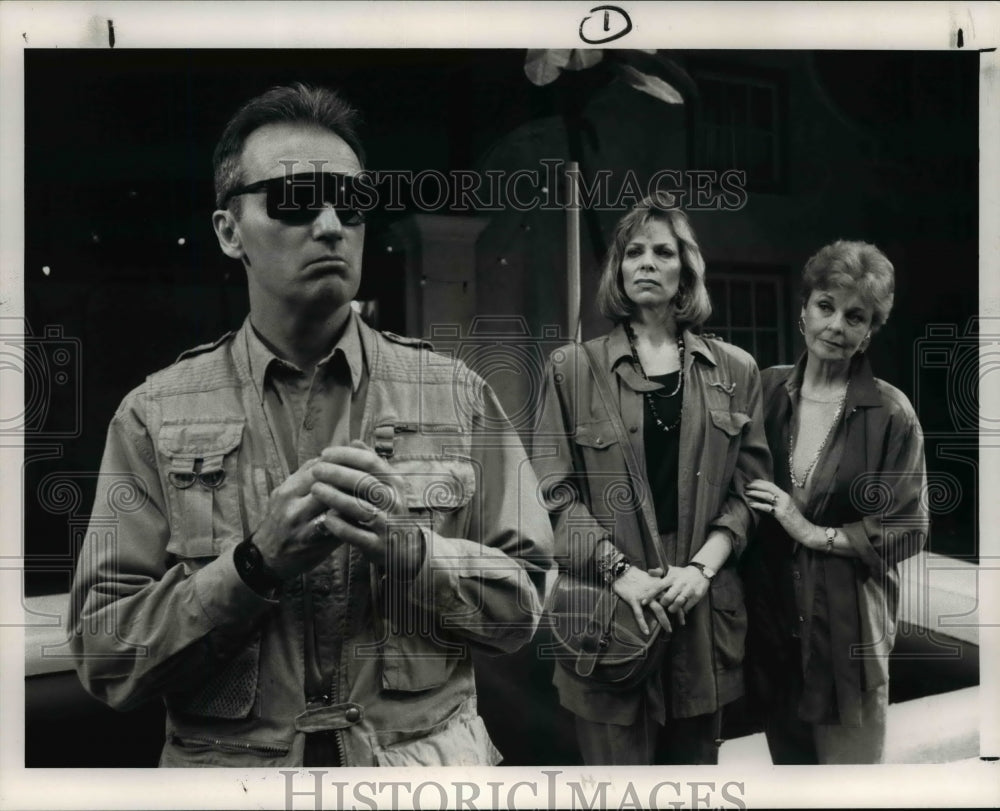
(843, 509)
(655, 474)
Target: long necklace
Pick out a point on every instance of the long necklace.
(649, 395)
(791, 444)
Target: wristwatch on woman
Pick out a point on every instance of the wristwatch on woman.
(707, 571)
(831, 535)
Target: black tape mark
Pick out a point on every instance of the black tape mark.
(989, 759)
(961, 39)
(111, 33)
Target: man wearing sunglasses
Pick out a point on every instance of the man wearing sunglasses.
(321, 519)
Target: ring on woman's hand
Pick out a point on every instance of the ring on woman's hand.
(774, 498)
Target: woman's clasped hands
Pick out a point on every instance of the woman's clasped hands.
(676, 592)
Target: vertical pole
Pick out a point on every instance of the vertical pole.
(573, 251)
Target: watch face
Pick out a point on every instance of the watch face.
(708, 572)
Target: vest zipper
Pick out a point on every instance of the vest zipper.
(338, 734)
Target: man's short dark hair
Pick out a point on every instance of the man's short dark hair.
(296, 103)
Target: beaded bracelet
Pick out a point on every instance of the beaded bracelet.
(612, 567)
(620, 568)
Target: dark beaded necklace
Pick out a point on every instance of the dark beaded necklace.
(650, 395)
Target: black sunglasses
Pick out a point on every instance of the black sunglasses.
(296, 199)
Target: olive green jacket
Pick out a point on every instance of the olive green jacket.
(593, 500)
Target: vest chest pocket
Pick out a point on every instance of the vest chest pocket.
(437, 475)
(202, 485)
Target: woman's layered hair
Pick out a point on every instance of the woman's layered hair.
(691, 305)
(857, 266)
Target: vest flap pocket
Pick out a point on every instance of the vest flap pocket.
(730, 422)
(437, 484)
(200, 440)
(595, 434)
(202, 485)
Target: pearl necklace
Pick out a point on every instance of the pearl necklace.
(649, 395)
(791, 443)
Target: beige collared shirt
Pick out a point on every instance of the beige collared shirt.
(309, 412)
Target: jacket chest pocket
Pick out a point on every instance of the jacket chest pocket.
(202, 486)
(597, 444)
(725, 432)
(610, 487)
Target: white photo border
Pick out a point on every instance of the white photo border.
(874, 26)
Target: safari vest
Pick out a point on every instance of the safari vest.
(402, 691)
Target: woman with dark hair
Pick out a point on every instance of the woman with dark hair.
(645, 490)
(845, 506)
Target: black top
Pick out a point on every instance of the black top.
(663, 450)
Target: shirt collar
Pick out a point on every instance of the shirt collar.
(263, 360)
(618, 347)
(862, 391)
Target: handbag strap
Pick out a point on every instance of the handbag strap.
(601, 378)
(593, 640)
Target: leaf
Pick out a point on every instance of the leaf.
(542, 66)
(648, 83)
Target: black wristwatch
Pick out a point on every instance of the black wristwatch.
(253, 570)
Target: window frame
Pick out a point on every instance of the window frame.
(746, 76)
(720, 322)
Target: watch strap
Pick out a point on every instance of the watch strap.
(831, 536)
(253, 570)
(706, 571)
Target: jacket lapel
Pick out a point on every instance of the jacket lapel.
(698, 358)
(625, 383)
(845, 457)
